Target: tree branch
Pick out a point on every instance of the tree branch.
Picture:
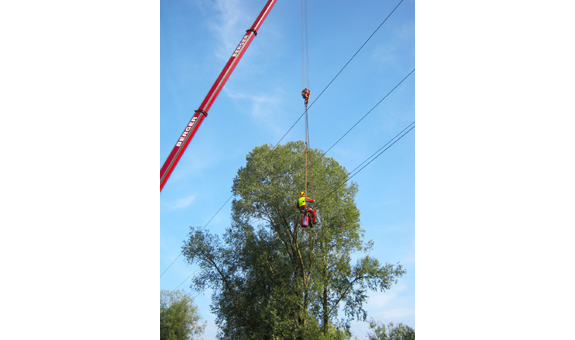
(286, 244)
(228, 287)
(345, 292)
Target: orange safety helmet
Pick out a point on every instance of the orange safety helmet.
(302, 194)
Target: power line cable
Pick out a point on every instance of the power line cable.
(363, 117)
(200, 229)
(350, 176)
(186, 279)
(344, 66)
(226, 202)
(381, 148)
(171, 264)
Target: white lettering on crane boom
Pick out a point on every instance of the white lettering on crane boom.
(241, 45)
(186, 131)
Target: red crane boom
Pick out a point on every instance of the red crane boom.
(202, 112)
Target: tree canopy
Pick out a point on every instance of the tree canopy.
(271, 278)
(390, 332)
(179, 317)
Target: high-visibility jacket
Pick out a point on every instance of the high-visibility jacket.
(301, 201)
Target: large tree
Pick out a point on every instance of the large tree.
(271, 278)
(179, 317)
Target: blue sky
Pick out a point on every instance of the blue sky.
(261, 101)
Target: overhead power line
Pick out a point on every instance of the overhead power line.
(344, 66)
(368, 112)
(351, 174)
(202, 228)
(186, 279)
(171, 264)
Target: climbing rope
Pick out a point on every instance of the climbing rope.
(305, 93)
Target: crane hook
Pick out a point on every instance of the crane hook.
(305, 95)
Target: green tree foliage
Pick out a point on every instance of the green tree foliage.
(273, 279)
(390, 332)
(179, 317)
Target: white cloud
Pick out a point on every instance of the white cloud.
(264, 108)
(387, 53)
(391, 306)
(378, 300)
(202, 160)
(227, 26)
(396, 313)
(182, 202)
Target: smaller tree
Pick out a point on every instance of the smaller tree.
(179, 317)
(390, 332)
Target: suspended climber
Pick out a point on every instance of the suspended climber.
(307, 213)
(304, 209)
